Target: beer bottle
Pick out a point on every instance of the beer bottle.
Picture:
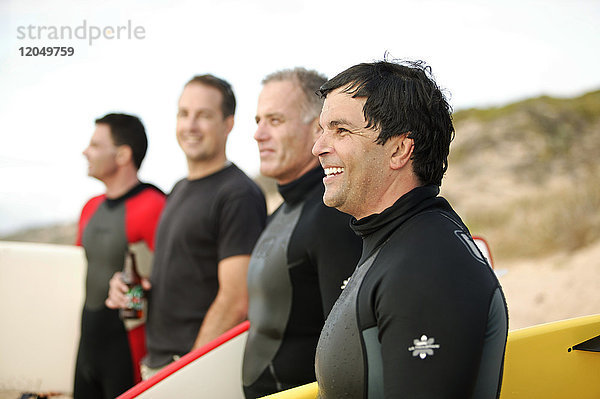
(135, 293)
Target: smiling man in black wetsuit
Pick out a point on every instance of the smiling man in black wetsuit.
(423, 316)
(307, 249)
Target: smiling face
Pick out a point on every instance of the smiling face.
(101, 154)
(283, 135)
(357, 169)
(201, 129)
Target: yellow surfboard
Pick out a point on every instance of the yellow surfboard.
(554, 360)
(551, 360)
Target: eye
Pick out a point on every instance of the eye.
(181, 113)
(276, 121)
(206, 115)
(342, 132)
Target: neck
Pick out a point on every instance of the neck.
(200, 169)
(121, 183)
(390, 195)
(307, 168)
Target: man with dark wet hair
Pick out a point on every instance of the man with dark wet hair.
(423, 315)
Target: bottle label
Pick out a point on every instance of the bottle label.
(134, 297)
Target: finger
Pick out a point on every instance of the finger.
(146, 284)
(110, 304)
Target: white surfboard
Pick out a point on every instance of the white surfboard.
(41, 297)
(213, 371)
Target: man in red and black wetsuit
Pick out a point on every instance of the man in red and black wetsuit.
(125, 215)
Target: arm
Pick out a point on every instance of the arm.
(230, 306)
(439, 292)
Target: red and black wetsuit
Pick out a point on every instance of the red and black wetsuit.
(108, 356)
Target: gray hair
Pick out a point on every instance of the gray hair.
(309, 82)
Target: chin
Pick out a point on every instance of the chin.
(329, 201)
(268, 172)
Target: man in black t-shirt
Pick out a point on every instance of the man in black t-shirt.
(206, 233)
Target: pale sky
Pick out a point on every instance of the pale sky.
(483, 53)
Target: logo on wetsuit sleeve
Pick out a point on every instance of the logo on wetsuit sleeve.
(423, 347)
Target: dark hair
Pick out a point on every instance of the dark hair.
(402, 97)
(127, 130)
(228, 103)
(309, 82)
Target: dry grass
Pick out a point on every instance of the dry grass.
(549, 221)
(526, 176)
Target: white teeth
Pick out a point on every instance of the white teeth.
(333, 171)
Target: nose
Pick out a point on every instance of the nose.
(261, 133)
(186, 123)
(321, 146)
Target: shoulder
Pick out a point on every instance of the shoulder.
(149, 194)
(177, 186)
(95, 200)
(92, 204)
(429, 230)
(233, 182)
(433, 249)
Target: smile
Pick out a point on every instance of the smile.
(333, 171)
(192, 139)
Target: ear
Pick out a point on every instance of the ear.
(124, 155)
(401, 150)
(229, 124)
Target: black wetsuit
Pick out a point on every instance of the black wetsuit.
(295, 276)
(423, 316)
(108, 355)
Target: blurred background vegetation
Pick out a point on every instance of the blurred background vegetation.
(526, 176)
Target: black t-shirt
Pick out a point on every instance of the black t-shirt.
(204, 221)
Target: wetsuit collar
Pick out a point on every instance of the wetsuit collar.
(376, 229)
(112, 202)
(296, 191)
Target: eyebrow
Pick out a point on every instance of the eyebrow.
(339, 122)
(198, 111)
(274, 114)
(270, 115)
